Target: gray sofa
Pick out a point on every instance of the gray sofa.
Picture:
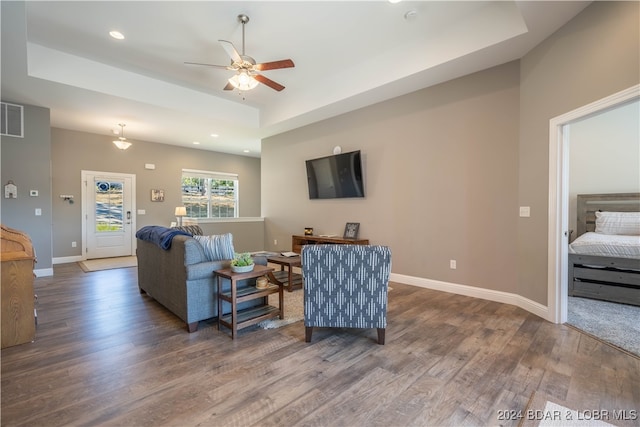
(182, 280)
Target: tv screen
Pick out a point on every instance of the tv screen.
(335, 176)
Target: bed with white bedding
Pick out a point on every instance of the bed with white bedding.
(619, 246)
(604, 260)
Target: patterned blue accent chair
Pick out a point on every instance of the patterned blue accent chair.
(345, 286)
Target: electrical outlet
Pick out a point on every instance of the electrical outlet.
(74, 244)
(275, 242)
(452, 264)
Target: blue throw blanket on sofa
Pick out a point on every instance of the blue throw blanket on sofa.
(161, 236)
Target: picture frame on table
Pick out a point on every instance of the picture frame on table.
(351, 230)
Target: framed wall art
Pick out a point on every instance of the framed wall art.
(157, 195)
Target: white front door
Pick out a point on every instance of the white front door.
(108, 214)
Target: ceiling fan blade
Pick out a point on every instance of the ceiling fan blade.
(231, 50)
(285, 63)
(229, 86)
(265, 81)
(224, 67)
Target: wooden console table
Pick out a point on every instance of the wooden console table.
(297, 242)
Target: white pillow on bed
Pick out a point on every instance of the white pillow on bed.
(627, 223)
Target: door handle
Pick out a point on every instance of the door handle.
(128, 216)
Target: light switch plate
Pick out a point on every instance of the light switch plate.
(525, 211)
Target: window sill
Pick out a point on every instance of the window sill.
(218, 220)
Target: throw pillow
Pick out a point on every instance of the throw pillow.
(194, 230)
(217, 247)
(618, 223)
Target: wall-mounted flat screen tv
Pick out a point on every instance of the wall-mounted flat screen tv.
(335, 176)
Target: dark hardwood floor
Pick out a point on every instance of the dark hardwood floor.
(106, 355)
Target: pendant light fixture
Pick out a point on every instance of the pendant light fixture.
(122, 142)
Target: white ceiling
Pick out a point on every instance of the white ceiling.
(347, 54)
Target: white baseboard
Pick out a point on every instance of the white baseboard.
(66, 259)
(43, 272)
(471, 291)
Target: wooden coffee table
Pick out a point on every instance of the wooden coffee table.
(287, 278)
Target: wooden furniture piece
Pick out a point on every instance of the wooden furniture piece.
(240, 319)
(287, 278)
(599, 277)
(297, 242)
(18, 305)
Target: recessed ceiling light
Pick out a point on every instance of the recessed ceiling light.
(215, 135)
(196, 143)
(116, 35)
(246, 151)
(394, 1)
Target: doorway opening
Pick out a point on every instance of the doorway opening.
(558, 238)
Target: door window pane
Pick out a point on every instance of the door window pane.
(109, 206)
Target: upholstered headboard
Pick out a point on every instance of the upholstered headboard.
(588, 204)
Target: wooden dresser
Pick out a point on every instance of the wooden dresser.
(18, 305)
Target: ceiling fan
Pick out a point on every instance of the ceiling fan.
(247, 76)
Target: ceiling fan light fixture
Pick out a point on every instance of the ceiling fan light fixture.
(122, 142)
(247, 70)
(243, 81)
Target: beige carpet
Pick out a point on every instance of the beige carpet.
(293, 309)
(108, 263)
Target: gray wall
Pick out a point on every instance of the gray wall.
(593, 56)
(74, 151)
(604, 155)
(27, 162)
(440, 179)
(447, 167)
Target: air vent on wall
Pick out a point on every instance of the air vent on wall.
(12, 120)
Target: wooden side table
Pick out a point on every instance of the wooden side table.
(241, 319)
(287, 278)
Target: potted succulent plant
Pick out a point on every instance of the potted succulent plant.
(242, 263)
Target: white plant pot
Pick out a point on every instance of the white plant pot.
(242, 269)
